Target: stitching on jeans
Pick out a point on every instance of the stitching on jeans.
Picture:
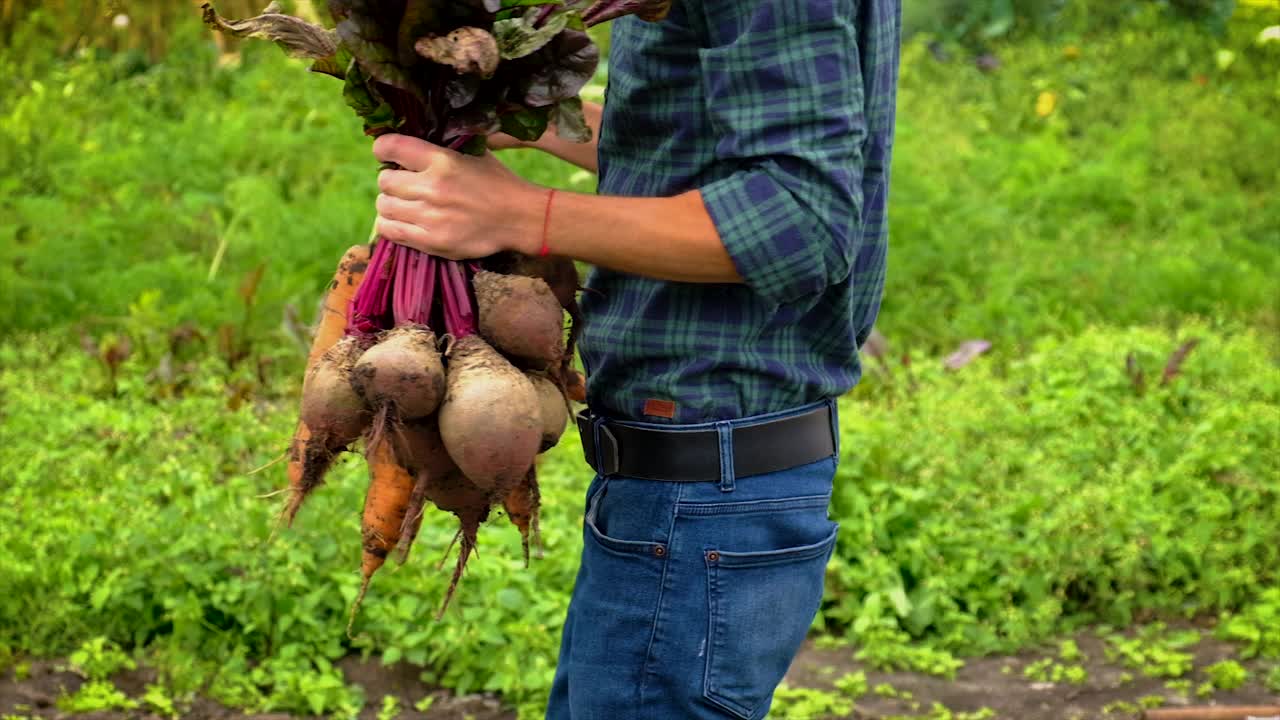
(797, 503)
(662, 595)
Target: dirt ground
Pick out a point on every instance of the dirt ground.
(984, 682)
(981, 683)
(36, 695)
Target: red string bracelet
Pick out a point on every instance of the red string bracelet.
(546, 223)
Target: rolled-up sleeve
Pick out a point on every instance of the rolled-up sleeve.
(784, 93)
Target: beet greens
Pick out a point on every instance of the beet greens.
(450, 72)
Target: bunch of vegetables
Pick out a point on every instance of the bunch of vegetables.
(455, 375)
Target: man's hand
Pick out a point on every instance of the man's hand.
(453, 205)
(462, 207)
(503, 141)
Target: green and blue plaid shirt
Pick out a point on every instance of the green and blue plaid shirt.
(782, 113)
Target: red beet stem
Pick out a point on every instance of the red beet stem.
(369, 309)
(425, 281)
(400, 307)
(459, 312)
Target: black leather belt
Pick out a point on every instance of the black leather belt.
(693, 455)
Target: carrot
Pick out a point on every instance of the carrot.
(522, 505)
(419, 450)
(385, 506)
(337, 301)
(576, 386)
(330, 328)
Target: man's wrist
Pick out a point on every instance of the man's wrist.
(532, 211)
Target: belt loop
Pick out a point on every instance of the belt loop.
(834, 409)
(724, 430)
(596, 422)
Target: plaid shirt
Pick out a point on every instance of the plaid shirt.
(782, 113)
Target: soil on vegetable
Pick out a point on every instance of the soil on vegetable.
(997, 683)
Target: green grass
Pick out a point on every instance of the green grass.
(982, 510)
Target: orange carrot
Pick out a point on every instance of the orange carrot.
(522, 505)
(576, 386)
(385, 506)
(331, 327)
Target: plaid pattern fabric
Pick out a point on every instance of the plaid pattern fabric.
(782, 113)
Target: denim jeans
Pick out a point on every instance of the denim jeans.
(693, 598)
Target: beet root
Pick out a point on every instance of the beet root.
(334, 414)
(557, 271)
(521, 317)
(402, 373)
(553, 411)
(454, 493)
(489, 418)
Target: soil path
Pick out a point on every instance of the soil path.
(998, 683)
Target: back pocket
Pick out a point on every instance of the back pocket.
(761, 607)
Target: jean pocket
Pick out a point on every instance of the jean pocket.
(761, 605)
(599, 519)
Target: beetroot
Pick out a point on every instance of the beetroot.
(333, 412)
(402, 372)
(521, 317)
(553, 410)
(489, 419)
(455, 493)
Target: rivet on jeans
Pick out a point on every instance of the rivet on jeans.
(713, 556)
(659, 550)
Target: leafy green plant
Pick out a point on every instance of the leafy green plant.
(390, 708)
(1272, 680)
(1257, 626)
(806, 703)
(1154, 652)
(1069, 651)
(1151, 701)
(981, 23)
(852, 685)
(157, 700)
(938, 711)
(1181, 687)
(1055, 481)
(1227, 675)
(99, 658)
(96, 696)
(1046, 670)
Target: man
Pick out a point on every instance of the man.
(739, 242)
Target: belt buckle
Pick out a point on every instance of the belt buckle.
(599, 444)
(607, 455)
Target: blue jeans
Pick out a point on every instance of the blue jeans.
(693, 598)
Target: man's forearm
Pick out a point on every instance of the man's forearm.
(581, 154)
(664, 238)
(460, 207)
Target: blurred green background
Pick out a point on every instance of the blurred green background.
(1088, 186)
